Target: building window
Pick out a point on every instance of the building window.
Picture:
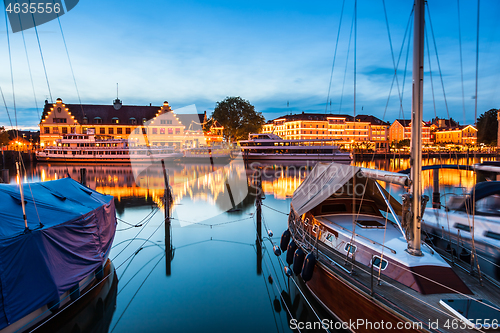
(155, 131)
(59, 120)
(111, 131)
(163, 121)
(115, 120)
(162, 130)
(119, 130)
(132, 121)
(170, 131)
(136, 131)
(127, 130)
(177, 131)
(144, 120)
(144, 130)
(65, 130)
(169, 122)
(85, 120)
(55, 129)
(97, 120)
(102, 130)
(46, 130)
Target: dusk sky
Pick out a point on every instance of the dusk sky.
(268, 52)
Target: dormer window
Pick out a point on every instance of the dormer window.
(132, 121)
(85, 120)
(115, 120)
(97, 120)
(144, 120)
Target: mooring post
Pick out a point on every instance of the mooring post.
(436, 197)
(168, 228)
(258, 241)
(83, 176)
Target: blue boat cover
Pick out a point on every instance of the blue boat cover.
(71, 229)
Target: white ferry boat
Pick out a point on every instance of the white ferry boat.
(207, 154)
(87, 148)
(270, 147)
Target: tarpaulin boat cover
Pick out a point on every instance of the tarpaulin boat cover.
(71, 229)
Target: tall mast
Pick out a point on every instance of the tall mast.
(416, 127)
(22, 195)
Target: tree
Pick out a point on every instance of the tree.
(238, 117)
(4, 137)
(487, 127)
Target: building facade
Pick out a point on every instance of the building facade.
(348, 130)
(159, 124)
(401, 130)
(461, 135)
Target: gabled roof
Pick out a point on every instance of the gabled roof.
(404, 122)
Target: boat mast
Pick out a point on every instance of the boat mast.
(416, 128)
(22, 195)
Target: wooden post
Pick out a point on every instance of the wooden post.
(258, 241)
(83, 176)
(436, 198)
(168, 228)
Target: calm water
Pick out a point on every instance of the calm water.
(203, 274)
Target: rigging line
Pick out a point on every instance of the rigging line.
(11, 74)
(334, 57)
(406, 66)
(29, 68)
(346, 63)
(355, 40)
(437, 59)
(430, 72)
(137, 272)
(275, 209)
(135, 294)
(461, 62)
(6, 108)
(31, 192)
(41, 56)
(408, 26)
(271, 303)
(477, 61)
(392, 54)
(70, 64)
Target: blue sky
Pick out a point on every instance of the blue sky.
(269, 52)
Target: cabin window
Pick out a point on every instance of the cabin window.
(489, 205)
(333, 208)
(315, 228)
(115, 120)
(119, 130)
(365, 209)
(491, 234)
(376, 261)
(132, 121)
(329, 237)
(306, 221)
(349, 248)
(97, 120)
(462, 227)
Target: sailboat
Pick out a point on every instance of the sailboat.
(55, 238)
(360, 252)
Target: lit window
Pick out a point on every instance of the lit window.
(155, 131)
(97, 120)
(132, 121)
(350, 248)
(115, 120)
(162, 130)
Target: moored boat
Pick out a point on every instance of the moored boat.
(54, 243)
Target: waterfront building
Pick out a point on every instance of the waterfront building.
(159, 124)
(348, 130)
(461, 135)
(401, 130)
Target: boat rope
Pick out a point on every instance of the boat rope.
(213, 224)
(271, 302)
(430, 72)
(437, 59)
(271, 208)
(461, 61)
(346, 63)
(43, 61)
(11, 74)
(477, 61)
(334, 57)
(29, 69)
(137, 291)
(31, 192)
(137, 272)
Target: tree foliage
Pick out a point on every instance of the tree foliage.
(487, 127)
(4, 137)
(238, 117)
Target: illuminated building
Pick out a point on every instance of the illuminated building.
(462, 135)
(119, 121)
(344, 128)
(401, 130)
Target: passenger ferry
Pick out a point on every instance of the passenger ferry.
(270, 147)
(87, 148)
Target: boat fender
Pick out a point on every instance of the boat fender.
(53, 306)
(290, 252)
(277, 305)
(288, 271)
(270, 233)
(74, 292)
(298, 260)
(99, 273)
(285, 239)
(308, 268)
(277, 250)
(270, 279)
